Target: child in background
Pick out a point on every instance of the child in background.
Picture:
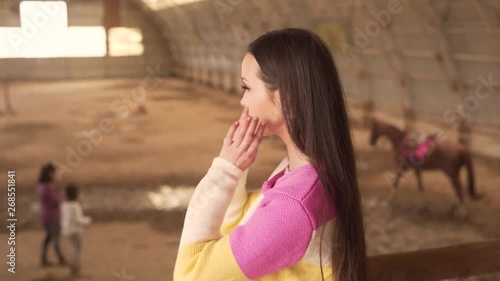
(72, 222)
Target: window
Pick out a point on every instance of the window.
(124, 41)
(44, 33)
(162, 4)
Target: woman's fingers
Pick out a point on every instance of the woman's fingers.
(243, 154)
(244, 114)
(240, 133)
(249, 134)
(254, 145)
(261, 130)
(230, 133)
(252, 150)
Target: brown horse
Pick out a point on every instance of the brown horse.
(443, 155)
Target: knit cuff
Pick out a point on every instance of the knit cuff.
(227, 167)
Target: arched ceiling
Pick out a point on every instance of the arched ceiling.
(414, 48)
(449, 31)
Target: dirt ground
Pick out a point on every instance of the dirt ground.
(173, 144)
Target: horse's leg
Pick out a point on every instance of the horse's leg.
(424, 208)
(459, 209)
(419, 180)
(401, 170)
(395, 182)
(399, 174)
(458, 187)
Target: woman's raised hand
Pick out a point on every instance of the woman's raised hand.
(242, 141)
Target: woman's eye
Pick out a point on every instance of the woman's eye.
(245, 88)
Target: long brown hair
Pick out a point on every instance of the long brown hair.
(298, 64)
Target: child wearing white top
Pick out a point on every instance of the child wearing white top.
(72, 224)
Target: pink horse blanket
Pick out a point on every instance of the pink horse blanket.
(414, 148)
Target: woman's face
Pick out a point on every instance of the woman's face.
(258, 100)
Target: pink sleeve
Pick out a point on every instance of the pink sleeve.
(56, 195)
(50, 194)
(275, 237)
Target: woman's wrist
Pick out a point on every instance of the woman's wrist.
(227, 166)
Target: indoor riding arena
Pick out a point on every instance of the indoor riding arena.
(131, 100)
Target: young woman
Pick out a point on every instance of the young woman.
(306, 221)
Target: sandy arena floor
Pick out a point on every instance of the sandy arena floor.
(173, 144)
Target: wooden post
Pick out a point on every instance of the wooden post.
(9, 109)
(463, 260)
(111, 18)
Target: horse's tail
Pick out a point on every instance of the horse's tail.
(471, 178)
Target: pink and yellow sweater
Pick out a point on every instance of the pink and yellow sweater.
(271, 234)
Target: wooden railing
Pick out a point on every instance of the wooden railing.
(462, 260)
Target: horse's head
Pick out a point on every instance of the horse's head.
(375, 132)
